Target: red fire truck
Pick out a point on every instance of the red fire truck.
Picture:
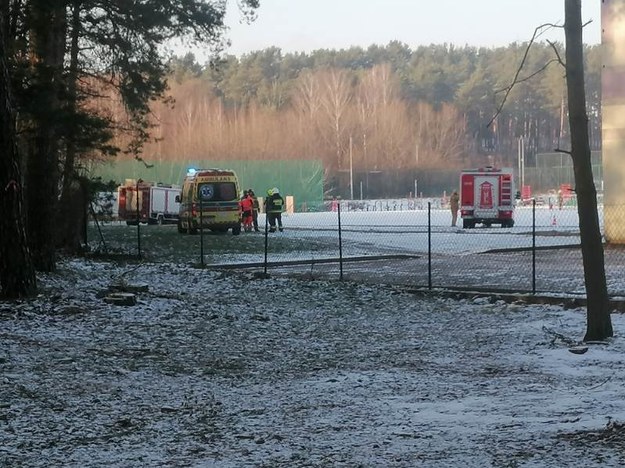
(487, 197)
(157, 202)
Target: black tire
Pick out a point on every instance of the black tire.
(467, 224)
(508, 223)
(131, 223)
(487, 224)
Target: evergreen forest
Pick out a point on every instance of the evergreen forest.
(390, 112)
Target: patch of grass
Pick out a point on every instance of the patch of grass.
(165, 244)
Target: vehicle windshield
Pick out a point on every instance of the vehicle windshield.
(217, 191)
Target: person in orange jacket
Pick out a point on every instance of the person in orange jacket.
(255, 209)
(247, 207)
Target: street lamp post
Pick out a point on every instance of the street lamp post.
(351, 168)
(139, 181)
(521, 162)
(366, 164)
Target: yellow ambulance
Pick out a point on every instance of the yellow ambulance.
(209, 198)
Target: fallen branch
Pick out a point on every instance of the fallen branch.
(600, 384)
(560, 336)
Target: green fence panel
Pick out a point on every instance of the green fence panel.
(301, 179)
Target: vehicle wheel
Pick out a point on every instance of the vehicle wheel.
(487, 224)
(466, 224)
(189, 229)
(236, 230)
(131, 223)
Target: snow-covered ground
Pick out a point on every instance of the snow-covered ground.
(406, 230)
(219, 369)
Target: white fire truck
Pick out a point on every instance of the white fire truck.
(156, 202)
(487, 197)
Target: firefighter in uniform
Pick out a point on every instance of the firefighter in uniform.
(454, 202)
(274, 205)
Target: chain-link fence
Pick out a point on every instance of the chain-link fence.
(403, 241)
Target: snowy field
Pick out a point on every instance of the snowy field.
(406, 231)
(219, 369)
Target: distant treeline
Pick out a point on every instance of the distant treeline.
(385, 109)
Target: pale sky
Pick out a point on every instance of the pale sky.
(306, 25)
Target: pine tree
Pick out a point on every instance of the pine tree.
(17, 274)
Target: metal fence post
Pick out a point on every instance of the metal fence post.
(138, 221)
(534, 246)
(201, 233)
(429, 245)
(340, 243)
(266, 239)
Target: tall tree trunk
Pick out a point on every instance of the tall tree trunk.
(47, 53)
(599, 324)
(71, 221)
(17, 274)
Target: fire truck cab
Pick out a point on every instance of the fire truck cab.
(487, 197)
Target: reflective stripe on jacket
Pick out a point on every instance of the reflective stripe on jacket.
(275, 204)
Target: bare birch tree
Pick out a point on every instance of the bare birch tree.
(307, 104)
(336, 96)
